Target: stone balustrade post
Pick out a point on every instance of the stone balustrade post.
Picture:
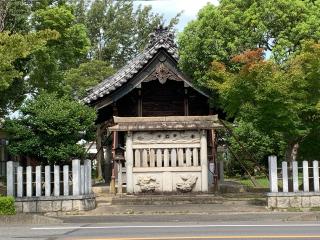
(76, 177)
(19, 181)
(305, 176)
(273, 173)
(66, 180)
(316, 176)
(38, 181)
(285, 184)
(29, 181)
(82, 179)
(10, 178)
(47, 181)
(295, 176)
(87, 163)
(56, 181)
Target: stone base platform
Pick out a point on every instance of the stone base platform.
(294, 200)
(55, 204)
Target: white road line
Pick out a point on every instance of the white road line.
(175, 226)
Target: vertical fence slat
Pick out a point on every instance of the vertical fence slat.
(86, 176)
(295, 176)
(82, 179)
(137, 158)
(38, 181)
(285, 185)
(166, 157)
(173, 158)
(19, 181)
(152, 158)
(66, 180)
(89, 176)
(76, 177)
(305, 176)
(10, 179)
(273, 173)
(159, 158)
(56, 181)
(188, 157)
(47, 184)
(195, 157)
(144, 158)
(180, 157)
(29, 181)
(316, 175)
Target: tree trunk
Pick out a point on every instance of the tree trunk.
(291, 155)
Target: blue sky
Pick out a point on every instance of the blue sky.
(170, 8)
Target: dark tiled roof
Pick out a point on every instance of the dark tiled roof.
(161, 38)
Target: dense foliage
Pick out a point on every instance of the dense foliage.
(49, 129)
(7, 206)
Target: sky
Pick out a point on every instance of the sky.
(170, 8)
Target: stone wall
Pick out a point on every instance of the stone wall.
(55, 204)
(294, 200)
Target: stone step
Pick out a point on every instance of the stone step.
(256, 199)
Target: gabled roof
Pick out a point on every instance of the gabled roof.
(161, 38)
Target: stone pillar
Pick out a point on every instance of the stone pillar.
(316, 176)
(295, 176)
(119, 177)
(56, 181)
(204, 161)
(76, 177)
(273, 174)
(66, 180)
(38, 181)
(305, 176)
(19, 181)
(285, 184)
(129, 163)
(10, 179)
(82, 179)
(47, 181)
(86, 176)
(87, 163)
(29, 181)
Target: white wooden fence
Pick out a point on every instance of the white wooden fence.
(49, 180)
(299, 177)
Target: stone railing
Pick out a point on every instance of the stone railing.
(293, 186)
(51, 188)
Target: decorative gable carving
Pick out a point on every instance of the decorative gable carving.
(162, 73)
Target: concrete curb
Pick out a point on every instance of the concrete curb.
(28, 219)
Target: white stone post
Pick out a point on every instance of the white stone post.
(204, 161)
(89, 180)
(76, 177)
(273, 175)
(56, 181)
(285, 184)
(38, 181)
(19, 181)
(295, 176)
(305, 176)
(47, 181)
(82, 179)
(29, 181)
(10, 179)
(66, 180)
(316, 175)
(188, 157)
(129, 163)
(86, 176)
(165, 158)
(173, 157)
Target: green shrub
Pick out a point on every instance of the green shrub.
(7, 206)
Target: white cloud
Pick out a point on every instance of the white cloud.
(169, 8)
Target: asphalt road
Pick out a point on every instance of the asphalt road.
(165, 230)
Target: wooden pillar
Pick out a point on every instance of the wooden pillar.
(100, 152)
(186, 102)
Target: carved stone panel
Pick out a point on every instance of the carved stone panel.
(187, 183)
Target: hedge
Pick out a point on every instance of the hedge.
(7, 206)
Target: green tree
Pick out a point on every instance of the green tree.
(89, 74)
(14, 47)
(220, 32)
(49, 128)
(279, 100)
(68, 51)
(118, 32)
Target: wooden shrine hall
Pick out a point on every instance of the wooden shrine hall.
(161, 121)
